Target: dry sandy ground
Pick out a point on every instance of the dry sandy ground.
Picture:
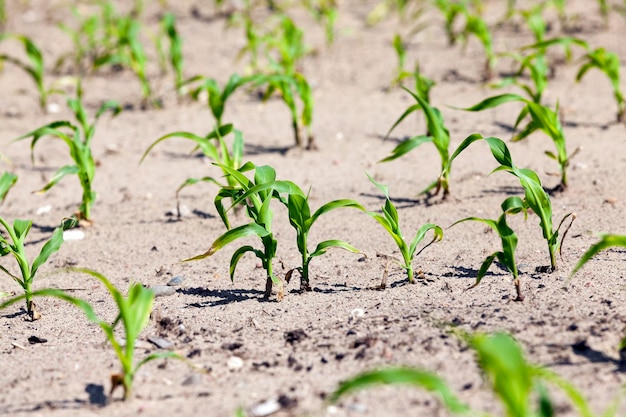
(298, 350)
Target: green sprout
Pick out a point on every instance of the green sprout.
(542, 118)
(519, 385)
(609, 64)
(216, 97)
(133, 314)
(214, 147)
(258, 208)
(325, 12)
(7, 181)
(302, 221)
(476, 25)
(78, 141)
(437, 133)
(506, 256)
(535, 197)
(14, 245)
(391, 223)
(175, 54)
(34, 67)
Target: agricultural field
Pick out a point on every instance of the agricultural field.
(236, 208)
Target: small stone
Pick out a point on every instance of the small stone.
(162, 290)
(44, 210)
(193, 379)
(53, 108)
(175, 281)
(73, 234)
(357, 313)
(235, 363)
(160, 342)
(265, 408)
(35, 340)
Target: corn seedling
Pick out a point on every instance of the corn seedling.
(325, 12)
(300, 218)
(14, 245)
(519, 385)
(476, 25)
(506, 256)
(35, 67)
(391, 223)
(78, 141)
(542, 118)
(609, 64)
(535, 197)
(257, 205)
(7, 181)
(216, 97)
(214, 147)
(133, 314)
(437, 133)
(451, 11)
(175, 52)
(291, 86)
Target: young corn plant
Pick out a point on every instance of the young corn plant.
(325, 12)
(35, 67)
(301, 219)
(437, 134)
(390, 221)
(78, 139)
(133, 314)
(216, 97)
(542, 118)
(214, 147)
(609, 64)
(7, 181)
(508, 238)
(535, 197)
(14, 245)
(175, 51)
(518, 385)
(257, 205)
(475, 25)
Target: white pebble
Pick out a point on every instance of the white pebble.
(73, 234)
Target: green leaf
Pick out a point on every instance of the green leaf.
(421, 233)
(402, 376)
(606, 241)
(495, 101)
(52, 245)
(7, 180)
(251, 229)
(58, 176)
(322, 247)
(407, 146)
(238, 254)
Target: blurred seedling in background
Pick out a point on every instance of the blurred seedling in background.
(34, 67)
(175, 50)
(133, 315)
(214, 147)
(390, 221)
(606, 241)
(535, 197)
(13, 244)
(609, 64)
(7, 181)
(506, 256)
(216, 96)
(78, 139)
(257, 205)
(519, 385)
(437, 133)
(325, 12)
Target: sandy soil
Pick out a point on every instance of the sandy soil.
(297, 351)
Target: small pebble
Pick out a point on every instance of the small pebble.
(175, 281)
(357, 313)
(73, 234)
(162, 290)
(160, 342)
(193, 379)
(35, 339)
(265, 408)
(44, 210)
(235, 363)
